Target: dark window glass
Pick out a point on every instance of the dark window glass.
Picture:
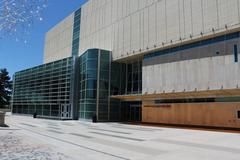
(196, 100)
(88, 115)
(103, 85)
(92, 54)
(132, 84)
(135, 77)
(83, 95)
(135, 87)
(104, 56)
(129, 68)
(238, 114)
(193, 45)
(140, 86)
(91, 64)
(129, 77)
(129, 87)
(92, 74)
(103, 94)
(91, 94)
(104, 66)
(91, 84)
(90, 107)
(83, 85)
(104, 75)
(235, 53)
(135, 67)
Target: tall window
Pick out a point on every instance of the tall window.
(235, 50)
(134, 74)
(76, 32)
(126, 78)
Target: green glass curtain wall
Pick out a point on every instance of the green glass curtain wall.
(94, 84)
(86, 83)
(43, 89)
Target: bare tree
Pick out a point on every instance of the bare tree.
(18, 16)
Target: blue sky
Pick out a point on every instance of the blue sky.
(16, 56)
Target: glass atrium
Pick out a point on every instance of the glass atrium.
(77, 87)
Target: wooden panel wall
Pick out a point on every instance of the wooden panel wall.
(200, 114)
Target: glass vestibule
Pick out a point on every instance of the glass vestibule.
(94, 84)
(80, 85)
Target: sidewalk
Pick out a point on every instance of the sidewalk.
(76, 140)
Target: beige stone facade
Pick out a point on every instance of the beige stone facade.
(58, 41)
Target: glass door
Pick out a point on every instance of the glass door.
(65, 111)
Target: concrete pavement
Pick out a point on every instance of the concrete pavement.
(85, 140)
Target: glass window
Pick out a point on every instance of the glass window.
(83, 85)
(88, 115)
(90, 107)
(129, 67)
(104, 66)
(91, 94)
(92, 54)
(43, 85)
(92, 74)
(103, 94)
(92, 64)
(104, 75)
(103, 85)
(105, 56)
(135, 87)
(235, 50)
(129, 87)
(91, 84)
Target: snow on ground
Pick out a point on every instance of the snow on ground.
(19, 147)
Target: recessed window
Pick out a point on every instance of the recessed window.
(235, 50)
(238, 114)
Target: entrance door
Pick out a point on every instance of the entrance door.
(65, 111)
(131, 111)
(135, 113)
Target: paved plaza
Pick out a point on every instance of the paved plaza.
(29, 138)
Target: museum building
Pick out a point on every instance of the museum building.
(152, 61)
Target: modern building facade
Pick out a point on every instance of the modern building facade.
(153, 61)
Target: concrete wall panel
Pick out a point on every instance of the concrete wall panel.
(228, 12)
(210, 15)
(172, 20)
(127, 34)
(187, 18)
(58, 41)
(146, 22)
(135, 32)
(161, 22)
(211, 73)
(152, 28)
(197, 17)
